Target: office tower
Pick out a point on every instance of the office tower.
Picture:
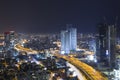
(9, 39)
(68, 40)
(1, 42)
(73, 37)
(92, 45)
(106, 46)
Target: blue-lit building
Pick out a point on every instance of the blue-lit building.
(105, 46)
(68, 40)
(92, 45)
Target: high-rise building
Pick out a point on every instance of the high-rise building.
(1, 42)
(68, 40)
(9, 39)
(106, 46)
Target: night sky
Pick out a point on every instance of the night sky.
(49, 16)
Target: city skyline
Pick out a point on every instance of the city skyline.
(59, 40)
(51, 16)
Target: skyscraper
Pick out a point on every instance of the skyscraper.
(106, 46)
(68, 40)
(9, 39)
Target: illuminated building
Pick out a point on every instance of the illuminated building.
(1, 42)
(92, 45)
(117, 70)
(9, 39)
(106, 46)
(68, 40)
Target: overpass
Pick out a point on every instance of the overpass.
(89, 72)
(29, 51)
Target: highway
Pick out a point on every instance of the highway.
(20, 48)
(76, 71)
(89, 72)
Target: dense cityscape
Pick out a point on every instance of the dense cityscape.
(67, 55)
(59, 40)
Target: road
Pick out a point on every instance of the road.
(77, 72)
(88, 71)
(29, 51)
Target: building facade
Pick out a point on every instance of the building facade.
(105, 50)
(9, 39)
(68, 40)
